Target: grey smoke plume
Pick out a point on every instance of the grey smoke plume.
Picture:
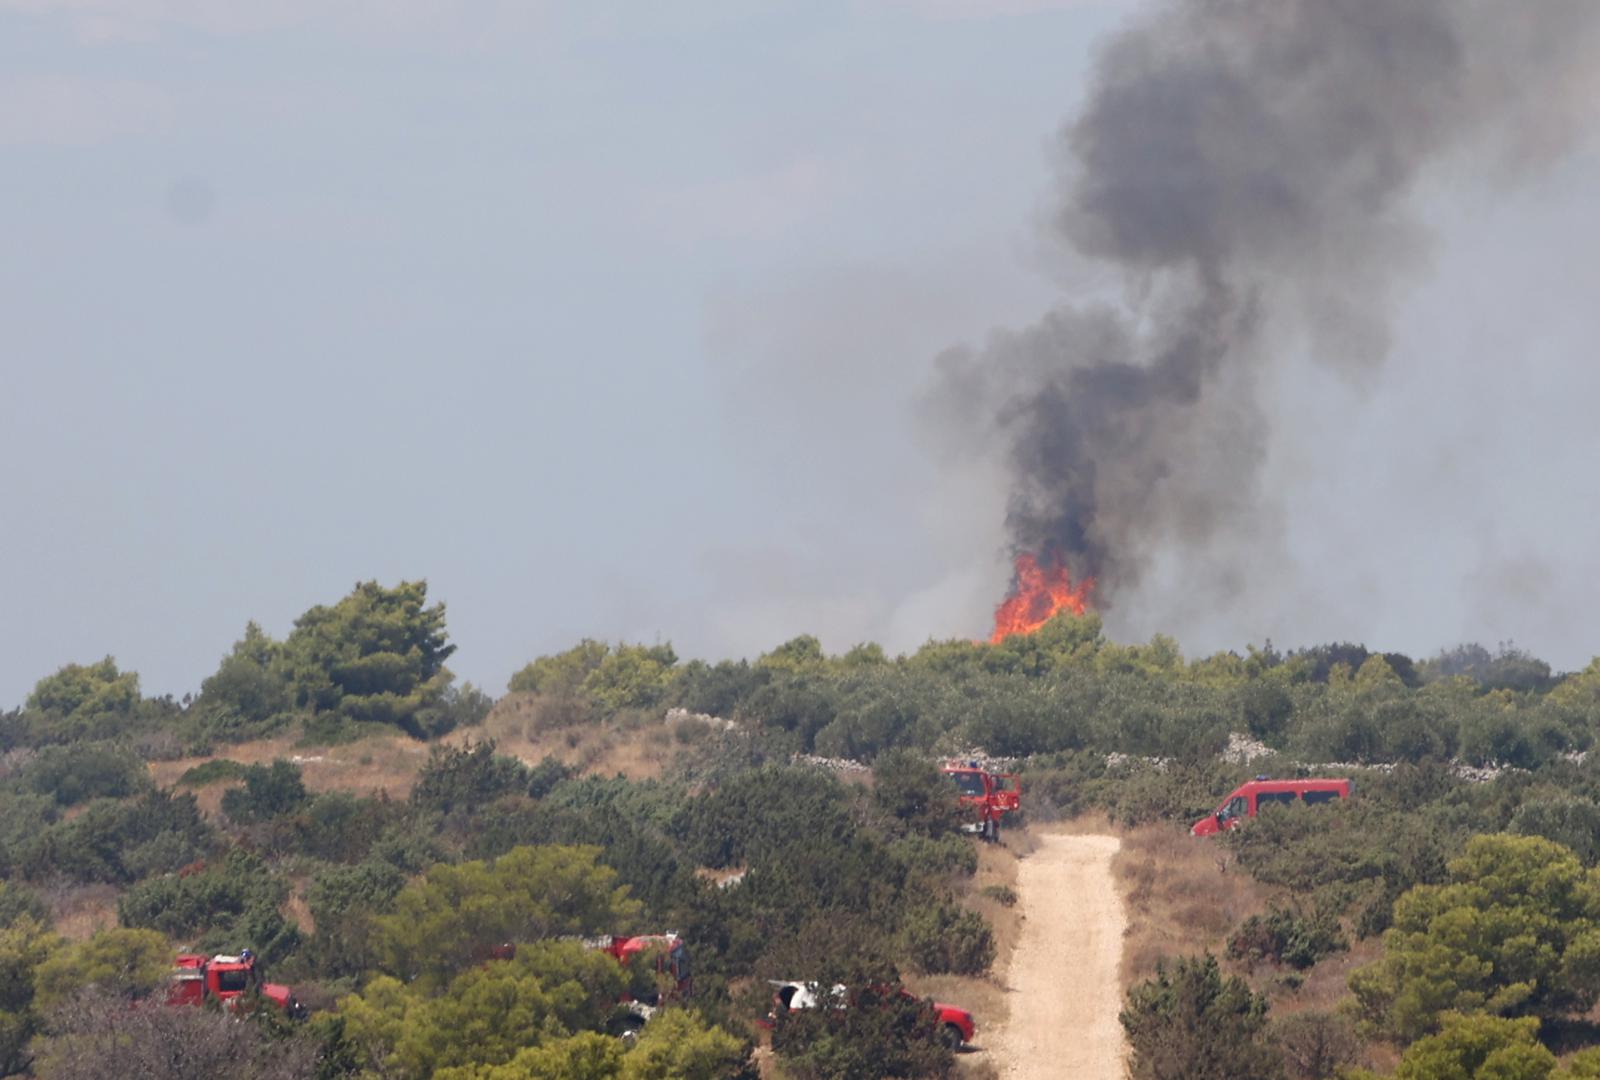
(1249, 167)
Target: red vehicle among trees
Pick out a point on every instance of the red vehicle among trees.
(231, 981)
(991, 796)
(1248, 800)
(674, 979)
(956, 1026)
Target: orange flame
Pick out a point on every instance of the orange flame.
(1038, 594)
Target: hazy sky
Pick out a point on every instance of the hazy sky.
(613, 320)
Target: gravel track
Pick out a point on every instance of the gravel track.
(1065, 991)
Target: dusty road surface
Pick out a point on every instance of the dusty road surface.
(1063, 986)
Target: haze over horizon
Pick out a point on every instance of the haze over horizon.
(621, 325)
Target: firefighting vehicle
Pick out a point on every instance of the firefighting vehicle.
(989, 796)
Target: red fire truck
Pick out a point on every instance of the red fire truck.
(991, 796)
(229, 980)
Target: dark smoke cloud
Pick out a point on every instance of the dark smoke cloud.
(1249, 167)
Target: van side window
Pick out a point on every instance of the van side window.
(1273, 798)
(1314, 797)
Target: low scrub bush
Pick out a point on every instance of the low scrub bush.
(1004, 895)
(72, 773)
(946, 937)
(1190, 1021)
(229, 905)
(925, 858)
(467, 777)
(1315, 1045)
(118, 842)
(1287, 937)
(269, 791)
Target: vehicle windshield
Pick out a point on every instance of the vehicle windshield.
(229, 982)
(969, 783)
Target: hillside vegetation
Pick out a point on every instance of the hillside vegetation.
(374, 831)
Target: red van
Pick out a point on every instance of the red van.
(1248, 799)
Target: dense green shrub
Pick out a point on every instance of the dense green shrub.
(376, 656)
(466, 777)
(543, 777)
(762, 811)
(269, 791)
(912, 790)
(925, 858)
(613, 677)
(563, 674)
(83, 702)
(1514, 931)
(343, 902)
(249, 695)
(17, 901)
(339, 827)
(945, 937)
(72, 773)
(716, 689)
(1142, 793)
(1571, 821)
(1062, 784)
(1364, 847)
(1190, 1022)
(876, 1031)
(229, 905)
(1283, 936)
(119, 842)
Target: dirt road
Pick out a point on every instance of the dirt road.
(1063, 986)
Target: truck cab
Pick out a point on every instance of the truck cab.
(990, 795)
(1249, 799)
(671, 957)
(226, 979)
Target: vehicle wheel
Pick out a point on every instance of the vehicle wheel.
(950, 1035)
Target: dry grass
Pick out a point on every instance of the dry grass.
(632, 744)
(1328, 983)
(296, 909)
(78, 911)
(377, 763)
(1183, 896)
(526, 726)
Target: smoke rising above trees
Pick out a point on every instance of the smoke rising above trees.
(1247, 168)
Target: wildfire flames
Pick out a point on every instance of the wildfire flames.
(1037, 594)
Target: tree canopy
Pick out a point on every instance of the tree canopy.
(1515, 931)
